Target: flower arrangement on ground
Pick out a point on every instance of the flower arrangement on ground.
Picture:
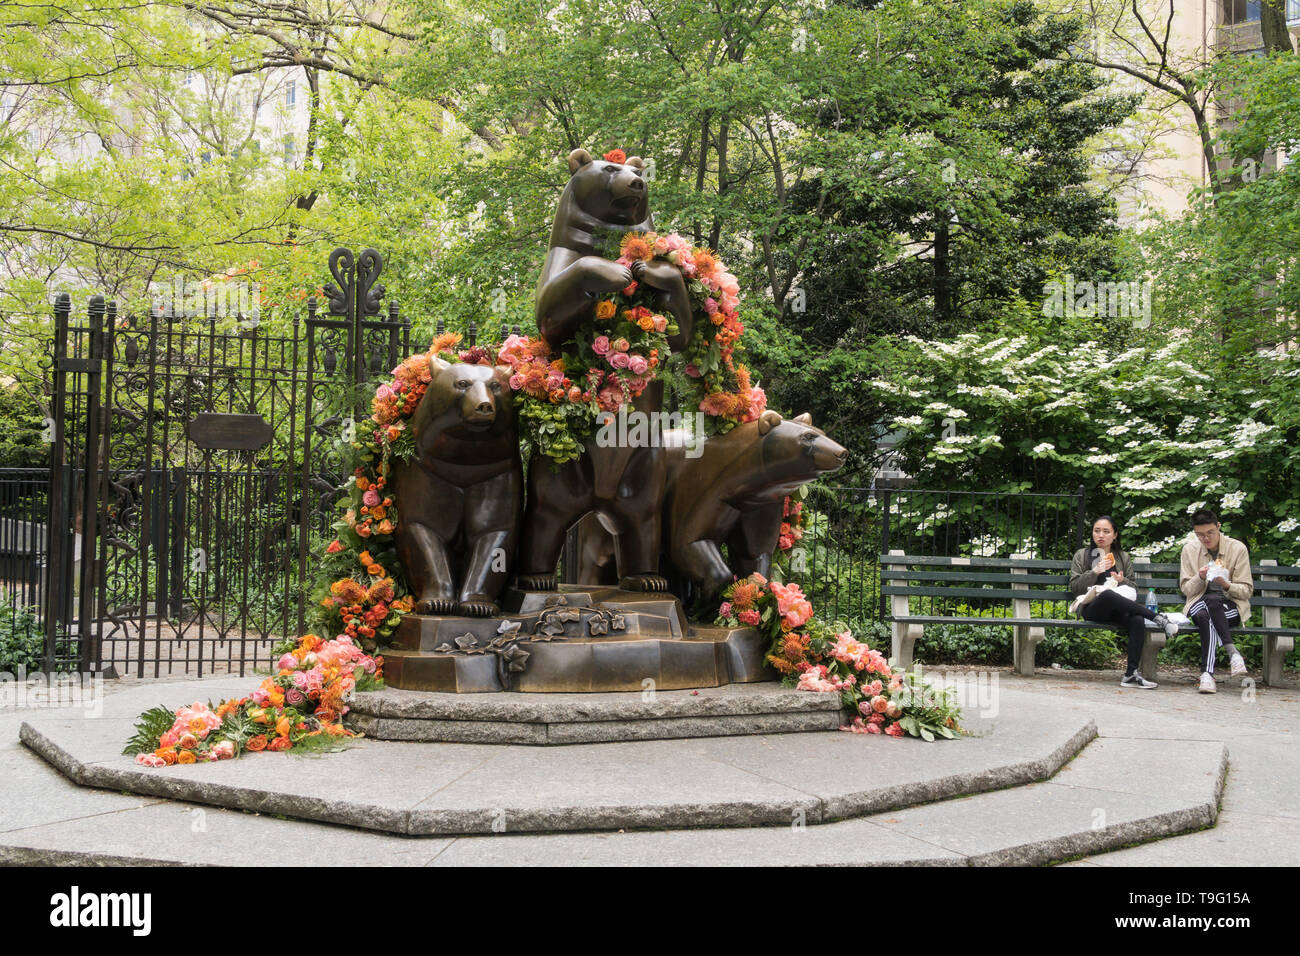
(300, 707)
(812, 655)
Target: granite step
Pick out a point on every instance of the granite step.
(1096, 802)
(548, 719)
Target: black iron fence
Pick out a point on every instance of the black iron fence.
(837, 561)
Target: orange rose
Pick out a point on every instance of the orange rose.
(605, 310)
(363, 529)
(280, 744)
(647, 324)
(385, 527)
(365, 558)
(363, 483)
(256, 744)
(377, 512)
(167, 755)
(375, 570)
(186, 756)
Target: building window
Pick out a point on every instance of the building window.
(1292, 11)
(1240, 11)
(290, 93)
(288, 151)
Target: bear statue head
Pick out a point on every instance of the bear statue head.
(609, 192)
(795, 452)
(465, 400)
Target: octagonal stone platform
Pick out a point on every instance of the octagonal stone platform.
(419, 789)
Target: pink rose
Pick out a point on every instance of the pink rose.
(724, 609)
(692, 370)
(370, 498)
(286, 663)
(601, 345)
(878, 704)
(620, 360)
(874, 688)
(384, 393)
(621, 344)
(224, 750)
(749, 617)
(517, 381)
(873, 728)
(661, 324)
(710, 306)
(894, 730)
(150, 760)
(637, 364)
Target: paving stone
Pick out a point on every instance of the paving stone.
(174, 832)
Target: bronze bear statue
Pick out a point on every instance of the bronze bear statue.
(460, 498)
(624, 485)
(733, 493)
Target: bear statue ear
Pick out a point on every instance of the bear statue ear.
(635, 162)
(503, 372)
(804, 419)
(437, 365)
(577, 159)
(767, 421)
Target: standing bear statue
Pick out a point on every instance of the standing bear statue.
(624, 486)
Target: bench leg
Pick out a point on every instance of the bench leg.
(1026, 638)
(1276, 648)
(1153, 645)
(903, 638)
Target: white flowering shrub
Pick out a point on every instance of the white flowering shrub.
(1151, 433)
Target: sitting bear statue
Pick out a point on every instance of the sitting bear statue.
(461, 496)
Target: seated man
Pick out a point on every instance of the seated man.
(1216, 579)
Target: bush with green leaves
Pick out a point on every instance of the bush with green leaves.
(22, 638)
(1151, 434)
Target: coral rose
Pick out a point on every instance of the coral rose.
(256, 744)
(280, 744)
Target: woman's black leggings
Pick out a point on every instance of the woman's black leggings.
(1111, 608)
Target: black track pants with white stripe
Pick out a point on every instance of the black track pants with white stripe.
(1214, 617)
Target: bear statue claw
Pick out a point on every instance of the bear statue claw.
(436, 606)
(643, 582)
(537, 582)
(477, 609)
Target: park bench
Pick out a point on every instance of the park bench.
(1013, 583)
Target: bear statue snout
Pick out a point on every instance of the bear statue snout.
(478, 407)
(829, 455)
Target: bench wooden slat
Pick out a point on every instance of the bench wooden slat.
(999, 593)
(904, 559)
(989, 578)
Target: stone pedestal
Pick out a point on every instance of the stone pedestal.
(577, 639)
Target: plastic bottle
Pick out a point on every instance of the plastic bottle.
(1152, 604)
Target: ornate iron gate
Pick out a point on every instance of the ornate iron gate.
(197, 461)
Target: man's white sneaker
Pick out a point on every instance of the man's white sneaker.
(1207, 684)
(1238, 666)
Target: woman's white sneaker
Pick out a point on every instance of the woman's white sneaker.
(1207, 684)
(1137, 680)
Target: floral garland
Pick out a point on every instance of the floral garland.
(812, 655)
(300, 707)
(362, 591)
(624, 347)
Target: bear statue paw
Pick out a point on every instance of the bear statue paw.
(477, 609)
(643, 582)
(436, 606)
(536, 582)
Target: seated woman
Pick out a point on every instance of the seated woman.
(1105, 559)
